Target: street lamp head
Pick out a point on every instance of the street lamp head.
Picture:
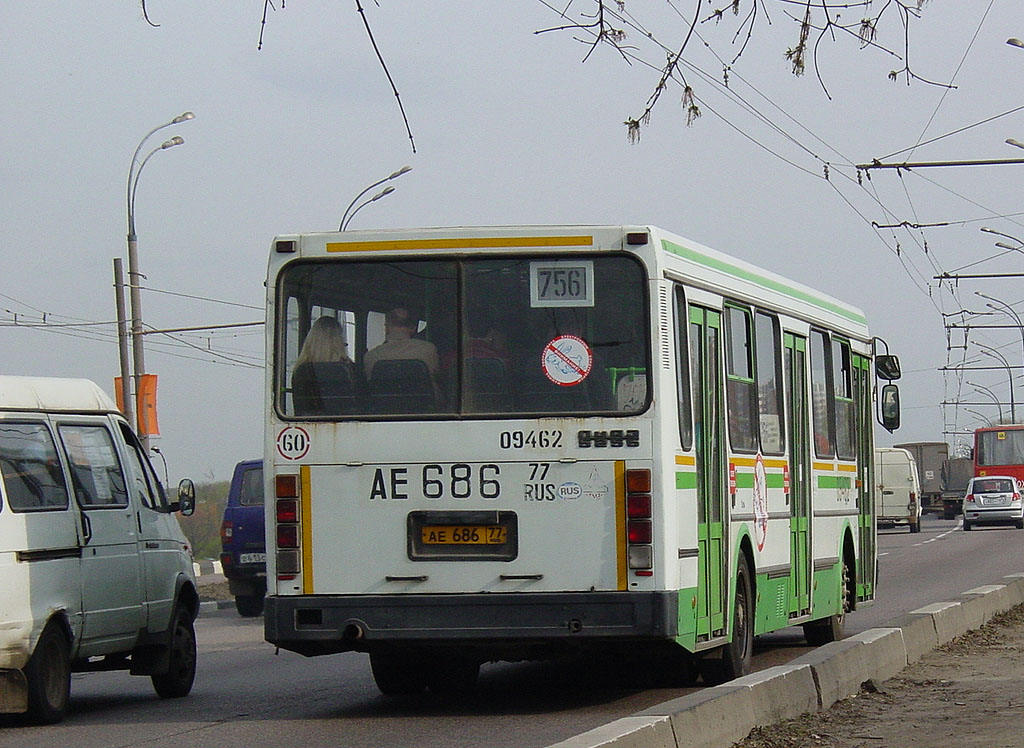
(1014, 42)
(176, 140)
(1014, 142)
(400, 172)
(185, 117)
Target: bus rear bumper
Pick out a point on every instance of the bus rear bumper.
(497, 622)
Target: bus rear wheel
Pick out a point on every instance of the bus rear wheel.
(736, 656)
(397, 674)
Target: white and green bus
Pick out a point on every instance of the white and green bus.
(523, 442)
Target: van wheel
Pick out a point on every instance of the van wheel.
(967, 525)
(736, 656)
(48, 673)
(249, 606)
(177, 681)
(915, 526)
(831, 629)
(398, 675)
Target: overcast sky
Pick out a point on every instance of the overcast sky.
(510, 127)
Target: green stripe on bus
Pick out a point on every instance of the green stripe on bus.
(835, 481)
(760, 280)
(746, 480)
(686, 480)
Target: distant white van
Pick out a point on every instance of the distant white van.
(898, 491)
(95, 572)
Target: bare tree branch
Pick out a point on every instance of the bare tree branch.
(145, 14)
(380, 57)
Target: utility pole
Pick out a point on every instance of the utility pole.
(122, 342)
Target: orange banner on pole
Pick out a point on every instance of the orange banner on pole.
(145, 401)
(118, 394)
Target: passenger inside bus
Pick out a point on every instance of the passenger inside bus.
(401, 372)
(324, 381)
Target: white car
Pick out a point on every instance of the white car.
(993, 499)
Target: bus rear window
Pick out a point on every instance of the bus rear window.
(471, 337)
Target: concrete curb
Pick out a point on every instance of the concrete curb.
(212, 606)
(719, 716)
(207, 567)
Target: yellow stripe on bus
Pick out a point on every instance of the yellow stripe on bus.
(823, 466)
(306, 509)
(751, 462)
(620, 522)
(480, 242)
(686, 460)
(846, 468)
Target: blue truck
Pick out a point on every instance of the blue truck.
(243, 545)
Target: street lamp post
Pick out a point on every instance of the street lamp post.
(1010, 311)
(388, 178)
(993, 353)
(383, 193)
(986, 391)
(134, 277)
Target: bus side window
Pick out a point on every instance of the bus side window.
(824, 443)
(683, 372)
(741, 389)
(769, 378)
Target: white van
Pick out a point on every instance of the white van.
(898, 491)
(95, 572)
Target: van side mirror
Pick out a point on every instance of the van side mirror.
(887, 367)
(186, 497)
(890, 407)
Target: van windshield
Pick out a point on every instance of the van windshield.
(454, 337)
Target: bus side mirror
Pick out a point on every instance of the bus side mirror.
(890, 409)
(887, 367)
(186, 497)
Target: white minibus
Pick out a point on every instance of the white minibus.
(95, 571)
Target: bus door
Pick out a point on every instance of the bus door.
(799, 476)
(865, 477)
(709, 438)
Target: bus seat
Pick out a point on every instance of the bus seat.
(324, 388)
(401, 386)
(487, 386)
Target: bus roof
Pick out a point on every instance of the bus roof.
(53, 394)
(725, 274)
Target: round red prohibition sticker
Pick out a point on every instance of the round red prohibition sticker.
(293, 443)
(567, 360)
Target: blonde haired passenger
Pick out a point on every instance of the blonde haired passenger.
(323, 381)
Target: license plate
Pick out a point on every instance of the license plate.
(464, 535)
(252, 558)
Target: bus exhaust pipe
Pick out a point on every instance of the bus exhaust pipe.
(352, 632)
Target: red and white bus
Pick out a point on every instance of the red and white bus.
(999, 450)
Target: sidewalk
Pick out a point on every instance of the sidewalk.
(968, 692)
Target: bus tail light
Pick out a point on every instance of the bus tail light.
(288, 536)
(287, 511)
(639, 523)
(286, 489)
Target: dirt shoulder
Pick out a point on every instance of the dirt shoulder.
(968, 692)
